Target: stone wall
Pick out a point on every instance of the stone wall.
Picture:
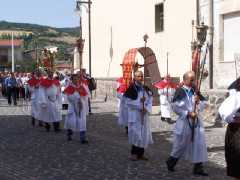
(215, 99)
(106, 86)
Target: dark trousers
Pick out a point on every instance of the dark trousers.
(138, 151)
(56, 126)
(11, 94)
(4, 91)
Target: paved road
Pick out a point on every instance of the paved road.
(29, 153)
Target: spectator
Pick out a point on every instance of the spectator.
(11, 85)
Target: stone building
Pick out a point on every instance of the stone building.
(226, 25)
(6, 53)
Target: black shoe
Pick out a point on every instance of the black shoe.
(171, 162)
(33, 122)
(56, 126)
(163, 119)
(69, 138)
(198, 170)
(40, 124)
(47, 126)
(170, 121)
(84, 142)
(126, 129)
(57, 130)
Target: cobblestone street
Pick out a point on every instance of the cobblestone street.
(29, 153)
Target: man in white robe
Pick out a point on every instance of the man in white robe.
(122, 106)
(33, 86)
(189, 137)
(50, 102)
(166, 95)
(76, 117)
(139, 102)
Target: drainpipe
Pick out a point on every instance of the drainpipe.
(211, 34)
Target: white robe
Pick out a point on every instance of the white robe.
(123, 110)
(139, 133)
(34, 101)
(76, 116)
(195, 151)
(230, 106)
(64, 83)
(85, 99)
(50, 104)
(166, 96)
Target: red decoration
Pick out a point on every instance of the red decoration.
(122, 88)
(33, 81)
(56, 82)
(69, 90)
(165, 84)
(46, 83)
(196, 61)
(82, 91)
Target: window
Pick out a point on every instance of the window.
(159, 17)
(231, 36)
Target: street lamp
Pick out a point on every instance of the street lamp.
(201, 34)
(80, 43)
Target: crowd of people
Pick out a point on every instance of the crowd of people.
(14, 86)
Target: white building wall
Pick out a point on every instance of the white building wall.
(224, 70)
(130, 20)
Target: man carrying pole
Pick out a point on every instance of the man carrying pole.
(187, 104)
(139, 132)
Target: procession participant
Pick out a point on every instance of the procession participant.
(64, 84)
(189, 137)
(83, 82)
(76, 117)
(166, 90)
(139, 103)
(50, 102)
(123, 109)
(33, 84)
(230, 113)
(91, 85)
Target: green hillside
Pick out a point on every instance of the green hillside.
(33, 34)
(39, 29)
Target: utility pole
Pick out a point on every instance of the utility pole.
(13, 60)
(81, 41)
(89, 37)
(211, 34)
(197, 13)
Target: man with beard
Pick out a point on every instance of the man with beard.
(139, 103)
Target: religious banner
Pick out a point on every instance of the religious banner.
(127, 65)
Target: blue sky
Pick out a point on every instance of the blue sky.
(57, 13)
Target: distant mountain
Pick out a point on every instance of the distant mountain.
(39, 29)
(42, 35)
